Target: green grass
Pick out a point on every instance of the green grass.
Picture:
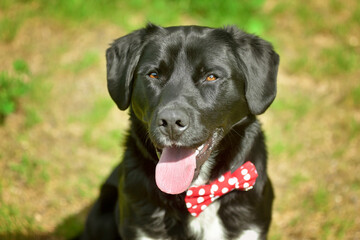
(109, 140)
(355, 95)
(338, 59)
(9, 29)
(290, 110)
(30, 170)
(93, 117)
(298, 179)
(87, 60)
(8, 215)
(330, 62)
(354, 129)
(12, 87)
(296, 104)
(335, 228)
(96, 114)
(245, 14)
(21, 66)
(32, 117)
(336, 50)
(19, 84)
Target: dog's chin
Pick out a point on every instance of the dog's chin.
(183, 163)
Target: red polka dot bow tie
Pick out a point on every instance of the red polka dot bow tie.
(198, 198)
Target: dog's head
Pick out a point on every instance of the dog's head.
(189, 86)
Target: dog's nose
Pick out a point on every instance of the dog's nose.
(173, 122)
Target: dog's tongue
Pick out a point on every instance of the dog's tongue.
(175, 170)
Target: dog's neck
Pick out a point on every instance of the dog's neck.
(240, 140)
(247, 130)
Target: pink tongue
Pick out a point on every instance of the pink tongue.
(175, 170)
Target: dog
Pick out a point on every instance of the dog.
(193, 95)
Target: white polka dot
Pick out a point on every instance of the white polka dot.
(189, 193)
(237, 186)
(214, 188)
(188, 205)
(244, 171)
(246, 185)
(203, 207)
(200, 199)
(201, 191)
(194, 214)
(247, 177)
(221, 179)
(232, 181)
(194, 207)
(225, 190)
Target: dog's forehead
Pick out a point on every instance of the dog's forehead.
(193, 42)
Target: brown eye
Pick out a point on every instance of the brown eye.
(211, 77)
(153, 75)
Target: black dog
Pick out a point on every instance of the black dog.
(193, 94)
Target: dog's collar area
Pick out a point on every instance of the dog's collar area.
(198, 198)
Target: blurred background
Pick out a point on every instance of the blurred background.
(60, 134)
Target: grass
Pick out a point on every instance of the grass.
(355, 96)
(8, 213)
(331, 30)
(30, 170)
(247, 14)
(330, 62)
(62, 132)
(87, 60)
(12, 87)
(32, 117)
(96, 114)
(8, 29)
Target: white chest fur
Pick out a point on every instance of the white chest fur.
(208, 224)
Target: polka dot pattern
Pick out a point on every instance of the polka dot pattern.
(198, 198)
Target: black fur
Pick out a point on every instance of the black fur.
(246, 69)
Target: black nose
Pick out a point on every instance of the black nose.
(173, 122)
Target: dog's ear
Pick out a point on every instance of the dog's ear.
(121, 60)
(260, 65)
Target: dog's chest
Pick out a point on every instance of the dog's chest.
(208, 225)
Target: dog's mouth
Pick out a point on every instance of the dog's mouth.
(179, 166)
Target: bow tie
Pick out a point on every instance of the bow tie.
(198, 198)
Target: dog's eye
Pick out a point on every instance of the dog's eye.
(211, 77)
(153, 75)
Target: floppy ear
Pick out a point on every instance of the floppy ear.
(260, 64)
(121, 60)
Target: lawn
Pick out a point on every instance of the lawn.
(60, 133)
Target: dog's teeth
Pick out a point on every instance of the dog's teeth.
(197, 152)
(201, 147)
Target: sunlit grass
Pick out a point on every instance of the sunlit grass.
(87, 60)
(30, 170)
